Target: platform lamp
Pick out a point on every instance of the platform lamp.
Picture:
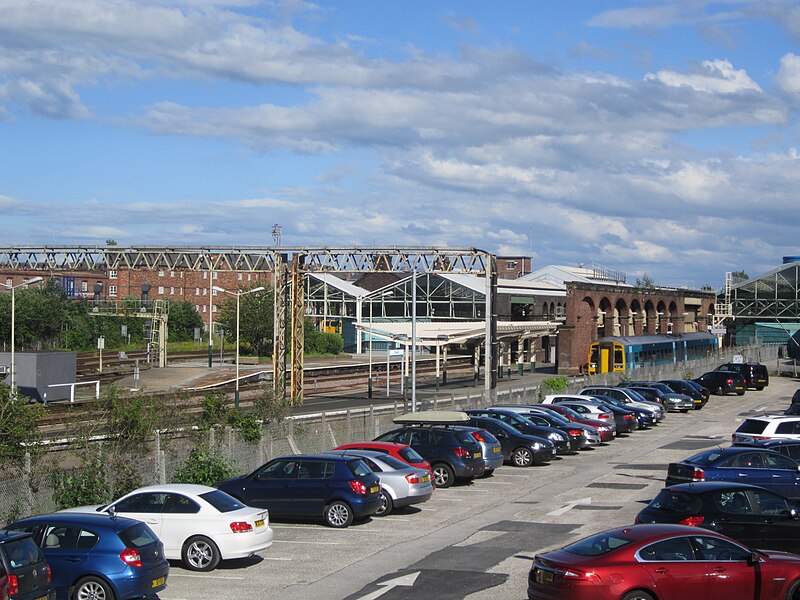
(11, 287)
(238, 294)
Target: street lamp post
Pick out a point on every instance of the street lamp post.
(13, 310)
(238, 294)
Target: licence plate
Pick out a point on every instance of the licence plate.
(374, 489)
(158, 582)
(495, 449)
(260, 523)
(476, 455)
(544, 576)
(425, 478)
(41, 598)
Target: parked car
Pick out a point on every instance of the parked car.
(694, 390)
(606, 429)
(723, 382)
(630, 398)
(756, 466)
(796, 397)
(559, 439)
(335, 488)
(580, 436)
(644, 416)
(624, 425)
(401, 484)
(98, 556)
(793, 410)
(624, 419)
(668, 562)
(220, 527)
(402, 452)
(667, 397)
(749, 514)
(24, 572)
(491, 450)
(755, 374)
(519, 449)
(768, 427)
(452, 452)
(785, 446)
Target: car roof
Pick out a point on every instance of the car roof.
(356, 453)
(385, 445)
(701, 487)
(179, 488)
(728, 450)
(12, 535)
(116, 523)
(771, 418)
(769, 443)
(647, 531)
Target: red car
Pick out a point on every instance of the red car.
(663, 562)
(402, 452)
(605, 429)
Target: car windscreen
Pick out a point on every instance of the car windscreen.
(752, 426)
(221, 501)
(22, 553)
(597, 545)
(137, 536)
(554, 418)
(674, 501)
(568, 411)
(411, 455)
(359, 468)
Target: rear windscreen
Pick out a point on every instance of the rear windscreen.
(704, 458)
(752, 426)
(597, 545)
(393, 462)
(676, 502)
(359, 468)
(411, 455)
(221, 501)
(137, 536)
(22, 553)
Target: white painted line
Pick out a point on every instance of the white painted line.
(501, 483)
(567, 507)
(429, 509)
(390, 519)
(174, 574)
(509, 475)
(452, 500)
(306, 542)
(271, 558)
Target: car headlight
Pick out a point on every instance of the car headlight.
(556, 437)
(536, 446)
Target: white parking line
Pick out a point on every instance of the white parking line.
(391, 519)
(305, 542)
(451, 500)
(174, 574)
(509, 475)
(276, 558)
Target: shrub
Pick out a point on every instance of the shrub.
(204, 467)
(248, 425)
(215, 409)
(81, 486)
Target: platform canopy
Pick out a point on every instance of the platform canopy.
(454, 332)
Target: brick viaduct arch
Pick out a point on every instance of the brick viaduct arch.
(594, 311)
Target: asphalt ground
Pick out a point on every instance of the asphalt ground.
(476, 541)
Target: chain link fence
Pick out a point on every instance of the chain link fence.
(28, 488)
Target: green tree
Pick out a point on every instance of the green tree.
(183, 319)
(256, 316)
(645, 282)
(740, 276)
(19, 429)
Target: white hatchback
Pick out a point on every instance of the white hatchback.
(198, 525)
(768, 427)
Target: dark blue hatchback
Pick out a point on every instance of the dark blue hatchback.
(340, 489)
(98, 557)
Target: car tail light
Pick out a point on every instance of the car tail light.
(241, 527)
(49, 572)
(730, 381)
(412, 478)
(589, 575)
(461, 452)
(698, 474)
(628, 417)
(603, 416)
(477, 435)
(131, 557)
(13, 585)
(693, 521)
(358, 487)
(575, 432)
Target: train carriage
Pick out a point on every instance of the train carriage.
(620, 354)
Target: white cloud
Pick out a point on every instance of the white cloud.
(713, 77)
(789, 75)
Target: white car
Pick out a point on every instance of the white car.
(198, 525)
(768, 427)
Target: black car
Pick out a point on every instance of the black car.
(796, 397)
(785, 446)
(559, 439)
(25, 569)
(644, 416)
(453, 452)
(755, 374)
(519, 449)
(756, 517)
(723, 382)
(580, 435)
(692, 389)
(624, 419)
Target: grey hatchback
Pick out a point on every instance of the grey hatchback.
(24, 572)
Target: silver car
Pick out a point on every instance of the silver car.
(491, 450)
(401, 484)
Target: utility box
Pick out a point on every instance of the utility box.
(36, 371)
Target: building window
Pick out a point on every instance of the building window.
(9, 281)
(205, 291)
(112, 274)
(172, 273)
(84, 286)
(161, 289)
(196, 291)
(248, 277)
(204, 274)
(160, 273)
(112, 290)
(214, 275)
(213, 291)
(204, 308)
(197, 307)
(181, 274)
(214, 308)
(240, 276)
(511, 264)
(171, 291)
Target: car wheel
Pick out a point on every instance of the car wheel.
(720, 391)
(758, 389)
(338, 515)
(488, 473)
(793, 593)
(684, 410)
(386, 504)
(522, 457)
(200, 554)
(740, 393)
(443, 475)
(638, 595)
(92, 588)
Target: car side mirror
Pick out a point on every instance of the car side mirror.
(752, 559)
(501, 435)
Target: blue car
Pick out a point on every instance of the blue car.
(339, 489)
(98, 556)
(756, 466)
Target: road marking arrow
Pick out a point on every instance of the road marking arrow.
(560, 511)
(405, 581)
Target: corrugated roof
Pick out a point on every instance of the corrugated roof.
(453, 332)
(340, 284)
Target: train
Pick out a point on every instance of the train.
(615, 354)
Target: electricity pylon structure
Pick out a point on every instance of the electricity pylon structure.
(287, 266)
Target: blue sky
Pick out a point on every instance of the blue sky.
(644, 136)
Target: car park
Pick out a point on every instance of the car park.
(98, 556)
(401, 484)
(519, 449)
(666, 396)
(769, 427)
(580, 436)
(755, 374)
(560, 439)
(606, 429)
(723, 382)
(451, 450)
(749, 514)
(694, 390)
(628, 397)
(24, 572)
(756, 466)
(337, 489)
(199, 525)
(668, 562)
(402, 452)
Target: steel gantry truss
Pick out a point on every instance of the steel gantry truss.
(287, 265)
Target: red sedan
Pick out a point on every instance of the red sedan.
(663, 562)
(605, 429)
(402, 452)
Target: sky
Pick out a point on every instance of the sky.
(648, 137)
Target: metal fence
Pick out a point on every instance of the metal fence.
(28, 488)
